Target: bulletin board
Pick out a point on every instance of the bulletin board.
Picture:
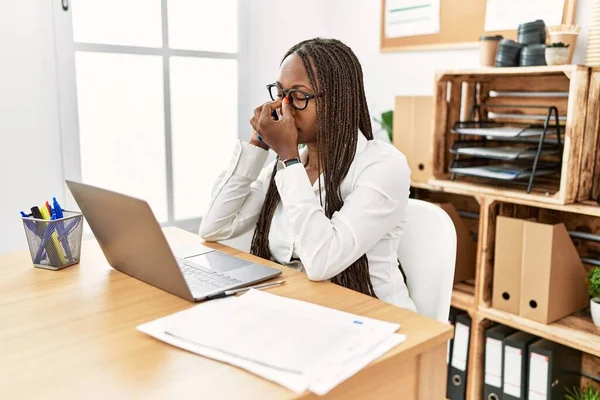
(461, 23)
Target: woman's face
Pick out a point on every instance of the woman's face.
(293, 75)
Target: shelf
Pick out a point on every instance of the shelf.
(508, 195)
(576, 331)
(463, 297)
(567, 69)
(478, 189)
(459, 92)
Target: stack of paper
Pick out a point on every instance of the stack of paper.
(506, 172)
(299, 345)
(503, 131)
(504, 152)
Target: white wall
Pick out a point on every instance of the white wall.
(30, 151)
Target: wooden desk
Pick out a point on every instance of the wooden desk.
(71, 334)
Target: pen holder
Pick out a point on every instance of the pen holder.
(55, 244)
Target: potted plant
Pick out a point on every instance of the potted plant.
(566, 34)
(557, 53)
(387, 123)
(577, 394)
(593, 281)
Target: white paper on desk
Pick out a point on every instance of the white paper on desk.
(287, 334)
(157, 329)
(329, 381)
(322, 378)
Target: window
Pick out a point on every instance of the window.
(154, 84)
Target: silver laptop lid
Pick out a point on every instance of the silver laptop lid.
(130, 237)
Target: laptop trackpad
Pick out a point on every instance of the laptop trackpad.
(218, 261)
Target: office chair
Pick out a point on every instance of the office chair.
(427, 253)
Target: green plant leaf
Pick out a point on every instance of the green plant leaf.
(558, 44)
(589, 393)
(573, 394)
(593, 281)
(387, 123)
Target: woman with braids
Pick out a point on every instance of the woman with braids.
(335, 209)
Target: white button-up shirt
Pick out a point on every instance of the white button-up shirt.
(375, 194)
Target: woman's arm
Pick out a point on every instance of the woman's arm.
(376, 205)
(238, 195)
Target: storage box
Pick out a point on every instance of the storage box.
(538, 273)
(553, 279)
(413, 134)
(507, 264)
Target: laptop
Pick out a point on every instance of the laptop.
(133, 243)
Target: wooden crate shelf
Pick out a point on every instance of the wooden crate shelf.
(576, 331)
(463, 297)
(457, 92)
(591, 208)
(512, 71)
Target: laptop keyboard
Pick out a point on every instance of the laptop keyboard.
(199, 277)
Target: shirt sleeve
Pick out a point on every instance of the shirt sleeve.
(238, 194)
(376, 205)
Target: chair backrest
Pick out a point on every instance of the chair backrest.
(427, 253)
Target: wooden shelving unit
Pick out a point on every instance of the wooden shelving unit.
(463, 297)
(574, 199)
(457, 92)
(576, 331)
(591, 208)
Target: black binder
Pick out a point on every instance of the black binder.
(552, 368)
(516, 361)
(452, 320)
(494, 361)
(460, 358)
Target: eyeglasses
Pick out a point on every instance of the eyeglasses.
(298, 98)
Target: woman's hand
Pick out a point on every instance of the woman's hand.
(254, 140)
(281, 135)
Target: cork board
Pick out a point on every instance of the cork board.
(461, 25)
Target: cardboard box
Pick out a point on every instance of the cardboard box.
(553, 279)
(466, 247)
(413, 134)
(538, 273)
(508, 257)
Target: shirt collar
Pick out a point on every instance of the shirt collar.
(361, 145)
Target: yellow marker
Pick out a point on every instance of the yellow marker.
(57, 246)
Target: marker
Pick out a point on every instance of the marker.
(54, 237)
(63, 231)
(35, 211)
(57, 208)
